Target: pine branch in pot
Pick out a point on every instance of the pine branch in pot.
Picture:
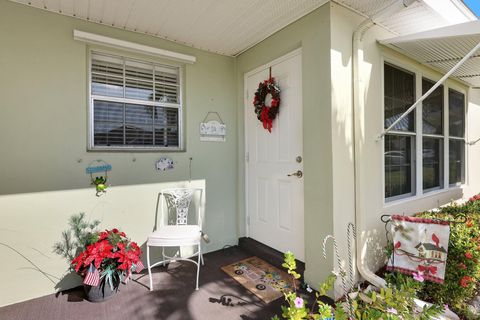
(104, 259)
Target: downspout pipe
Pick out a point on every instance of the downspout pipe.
(358, 100)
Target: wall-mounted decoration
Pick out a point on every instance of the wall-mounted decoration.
(213, 130)
(266, 114)
(164, 164)
(99, 181)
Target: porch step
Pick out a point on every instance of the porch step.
(270, 255)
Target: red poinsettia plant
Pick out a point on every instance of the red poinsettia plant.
(109, 257)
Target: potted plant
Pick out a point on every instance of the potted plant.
(109, 258)
(103, 258)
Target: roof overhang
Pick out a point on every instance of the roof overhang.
(443, 48)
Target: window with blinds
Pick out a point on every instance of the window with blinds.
(135, 104)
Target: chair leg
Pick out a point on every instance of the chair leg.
(198, 265)
(201, 257)
(149, 268)
(163, 256)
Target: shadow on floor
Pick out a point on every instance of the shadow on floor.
(174, 298)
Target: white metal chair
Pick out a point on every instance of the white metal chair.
(176, 232)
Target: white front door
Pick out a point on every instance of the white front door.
(275, 214)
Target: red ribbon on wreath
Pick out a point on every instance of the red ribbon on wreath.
(267, 122)
(266, 114)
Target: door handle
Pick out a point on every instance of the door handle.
(297, 174)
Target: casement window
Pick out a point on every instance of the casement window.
(440, 136)
(134, 105)
(456, 129)
(400, 142)
(432, 137)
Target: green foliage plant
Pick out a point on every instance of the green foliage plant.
(462, 276)
(396, 302)
(75, 239)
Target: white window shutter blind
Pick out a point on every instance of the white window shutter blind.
(135, 104)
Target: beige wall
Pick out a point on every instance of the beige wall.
(312, 34)
(43, 134)
(33, 222)
(342, 127)
(369, 124)
(473, 133)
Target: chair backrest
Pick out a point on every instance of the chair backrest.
(178, 201)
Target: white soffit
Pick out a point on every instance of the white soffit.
(227, 27)
(420, 16)
(443, 48)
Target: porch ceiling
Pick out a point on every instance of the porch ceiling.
(227, 27)
(443, 48)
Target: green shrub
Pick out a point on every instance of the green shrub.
(396, 302)
(462, 274)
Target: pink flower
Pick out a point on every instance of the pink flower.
(418, 276)
(392, 311)
(298, 302)
(468, 255)
(445, 306)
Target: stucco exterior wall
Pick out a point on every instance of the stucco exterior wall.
(368, 125)
(43, 135)
(312, 34)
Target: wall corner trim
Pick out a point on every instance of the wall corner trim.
(132, 46)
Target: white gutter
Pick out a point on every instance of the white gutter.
(361, 248)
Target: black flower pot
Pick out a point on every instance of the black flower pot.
(101, 292)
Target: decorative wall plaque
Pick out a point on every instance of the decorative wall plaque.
(213, 130)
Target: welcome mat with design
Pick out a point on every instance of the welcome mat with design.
(261, 278)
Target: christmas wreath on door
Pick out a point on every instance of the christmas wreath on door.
(266, 114)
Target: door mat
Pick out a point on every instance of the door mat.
(261, 278)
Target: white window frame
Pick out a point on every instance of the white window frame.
(417, 159)
(180, 106)
(464, 139)
(413, 135)
(435, 136)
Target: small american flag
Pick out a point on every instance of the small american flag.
(139, 266)
(93, 277)
(127, 278)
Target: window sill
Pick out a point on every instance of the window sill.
(133, 149)
(426, 195)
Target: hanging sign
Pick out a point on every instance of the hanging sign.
(420, 247)
(99, 181)
(213, 130)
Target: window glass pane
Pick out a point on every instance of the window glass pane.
(166, 127)
(399, 172)
(457, 161)
(167, 84)
(128, 121)
(138, 125)
(108, 123)
(456, 113)
(399, 95)
(432, 163)
(138, 81)
(432, 109)
(107, 78)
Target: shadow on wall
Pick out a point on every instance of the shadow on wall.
(33, 222)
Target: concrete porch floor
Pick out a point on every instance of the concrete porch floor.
(174, 297)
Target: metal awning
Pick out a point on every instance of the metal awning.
(443, 48)
(454, 51)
